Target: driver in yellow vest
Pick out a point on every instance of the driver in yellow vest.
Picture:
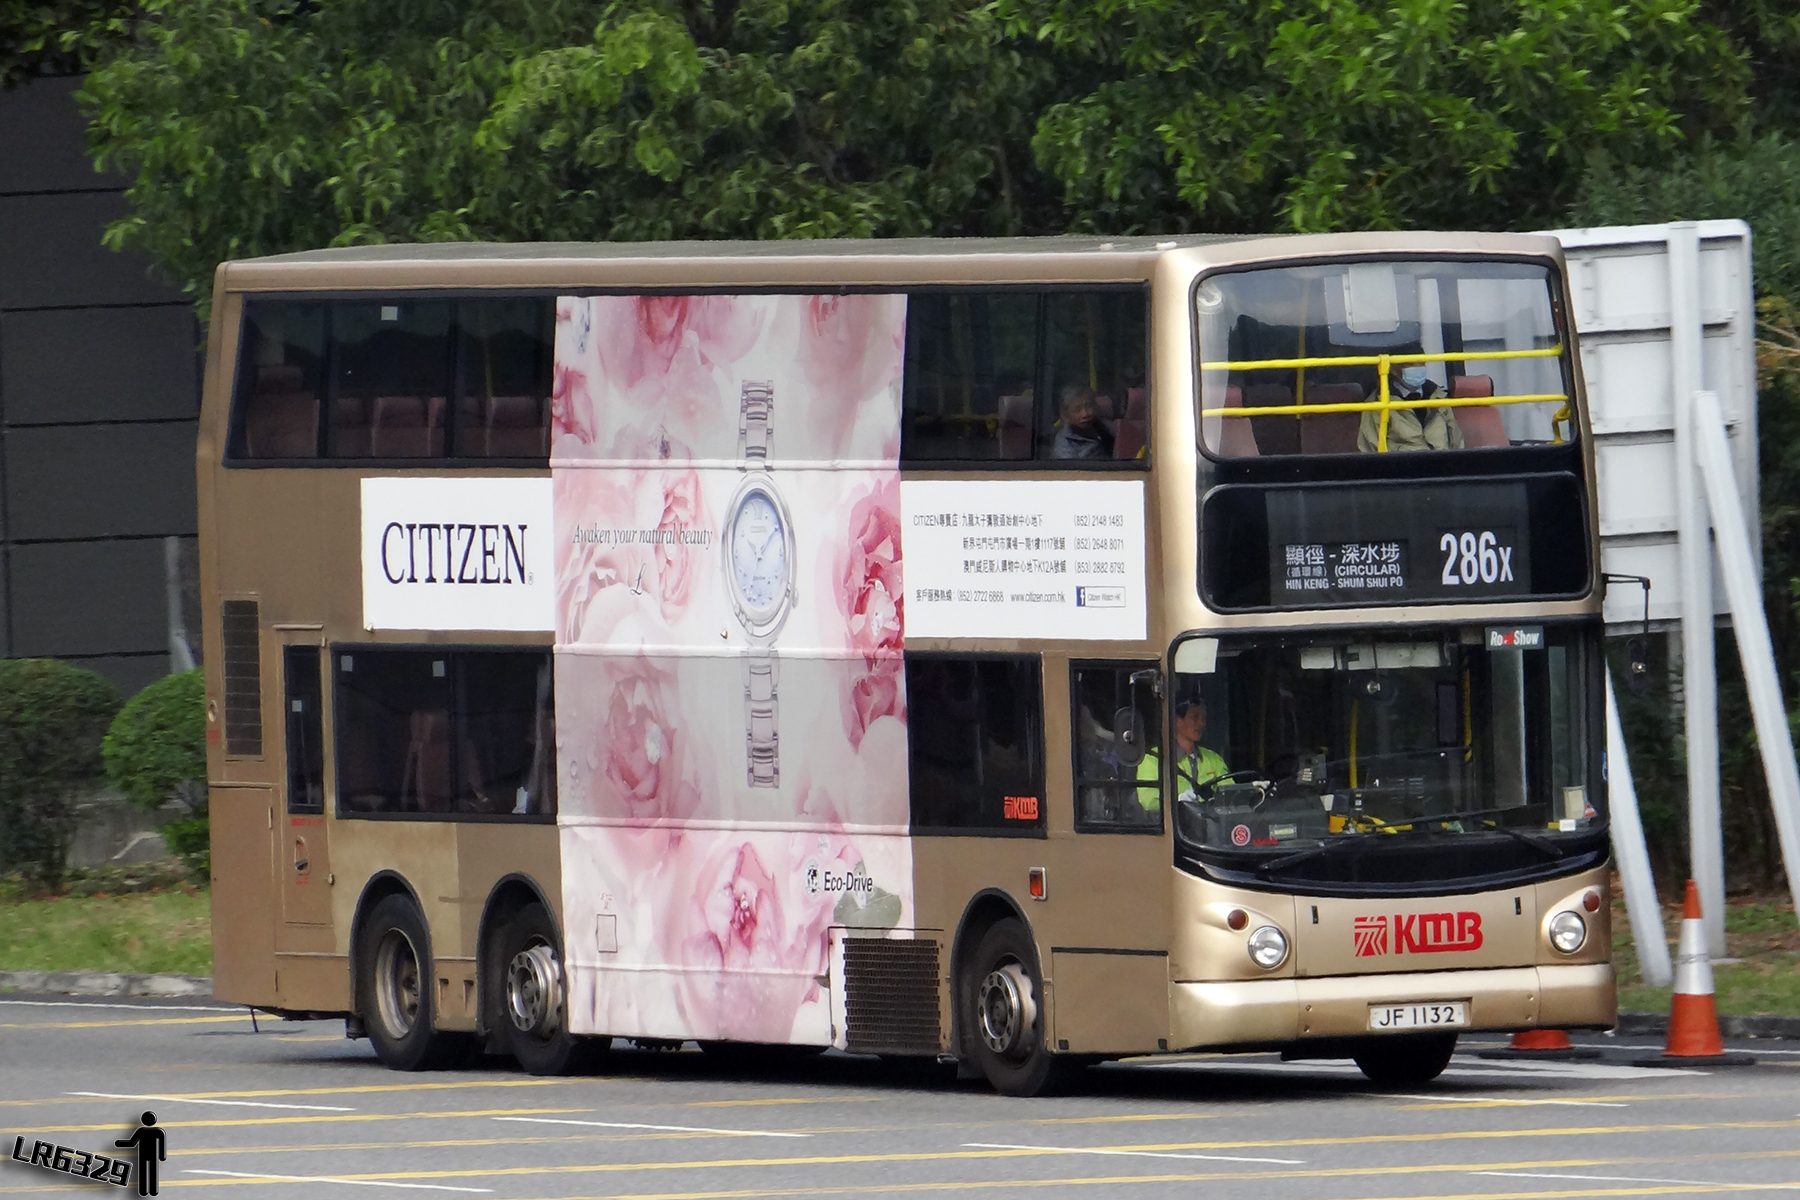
(1194, 764)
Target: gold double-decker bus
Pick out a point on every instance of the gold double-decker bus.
(1031, 652)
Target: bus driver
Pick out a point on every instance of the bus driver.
(1194, 764)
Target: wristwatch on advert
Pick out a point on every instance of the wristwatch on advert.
(759, 574)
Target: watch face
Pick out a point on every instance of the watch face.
(758, 550)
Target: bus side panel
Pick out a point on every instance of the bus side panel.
(730, 699)
(243, 894)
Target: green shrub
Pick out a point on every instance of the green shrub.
(155, 753)
(52, 718)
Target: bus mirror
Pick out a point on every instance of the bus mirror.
(1637, 664)
(1197, 656)
(1128, 735)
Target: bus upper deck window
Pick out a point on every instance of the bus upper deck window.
(391, 377)
(280, 383)
(1377, 357)
(1017, 376)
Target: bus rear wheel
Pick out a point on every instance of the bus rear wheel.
(533, 1021)
(1405, 1059)
(1003, 1014)
(393, 991)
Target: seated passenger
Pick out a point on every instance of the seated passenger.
(1194, 764)
(1082, 435)
(1411, 428)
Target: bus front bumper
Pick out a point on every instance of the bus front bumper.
(1264, 1011)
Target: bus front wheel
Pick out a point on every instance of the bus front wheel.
(1405, 1060)
(393, 992)
(1003, 1013)
(533, 1017)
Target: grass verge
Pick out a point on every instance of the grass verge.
(1764, 936)
(168, 931)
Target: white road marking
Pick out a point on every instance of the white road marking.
(211, 1008)
(1503, 1100)
(1463, 1068)
(1130, 1153)
(655, 1128)
(434, 1187)
(197, 1100)
(1745, 1187)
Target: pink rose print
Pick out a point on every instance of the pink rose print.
(571, 407)
(852, 346)
(871, 597)
(674, 556)
(642, 745)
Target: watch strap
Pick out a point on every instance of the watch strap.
(762, 678)
(756, 422)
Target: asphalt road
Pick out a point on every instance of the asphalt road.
(297, 1111)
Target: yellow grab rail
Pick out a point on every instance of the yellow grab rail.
(1384, 403)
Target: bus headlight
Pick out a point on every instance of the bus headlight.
(1268, 947)
(1568, 932)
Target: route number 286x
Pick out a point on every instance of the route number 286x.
(1472, 557)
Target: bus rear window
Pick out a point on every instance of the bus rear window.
(1375, 357)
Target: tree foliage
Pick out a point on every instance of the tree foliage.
(258, 126)
(59, 37)
(253, 132)
(52, 717)
(1343, 114)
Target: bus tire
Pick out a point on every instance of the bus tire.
(1003, 1013)
(1406, 1060)
(533, 1017)
(393, 991)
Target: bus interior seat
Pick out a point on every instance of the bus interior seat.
(1480, 423)
(516, 428)
(1274, 435)
(283, 418)
(1015, 426)
(349, 427)
(1235, 438)
(407, 427)
(1331, 433)
(425, 781)
(1132, 430)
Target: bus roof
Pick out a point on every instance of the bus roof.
(836, 261)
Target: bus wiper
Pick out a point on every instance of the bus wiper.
(1550, 849)
(1275, 865)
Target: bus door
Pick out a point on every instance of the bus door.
(1111, 976)
(302, 851)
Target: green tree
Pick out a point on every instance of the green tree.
(59, 37)
(155, 752)
(253, 130)
(52, 717)
(1266, 115)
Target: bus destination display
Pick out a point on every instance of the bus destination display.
(1361, 545)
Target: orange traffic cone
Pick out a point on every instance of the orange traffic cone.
(1693, 1021)
(1542, 1043)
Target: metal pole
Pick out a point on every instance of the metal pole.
(181, 656)
(1700, 683)
(1630, 852)
(1743, 587)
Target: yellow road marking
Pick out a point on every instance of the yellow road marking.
(1109, 1120)
(321, 1119)
(776, 1100)
(1138, 1180)
(239, 1018)
(363, 1089)
(814, 1160)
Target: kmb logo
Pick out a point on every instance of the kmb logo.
(1418, 933)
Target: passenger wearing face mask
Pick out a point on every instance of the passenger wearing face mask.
(1411, 428)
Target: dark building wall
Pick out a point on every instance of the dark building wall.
(99, 395)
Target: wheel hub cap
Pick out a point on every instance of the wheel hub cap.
(534, 997)
(397, 983)
(1008, 1008)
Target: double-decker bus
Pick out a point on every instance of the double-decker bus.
(1026, 651)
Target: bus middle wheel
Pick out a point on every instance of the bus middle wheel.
(393, 992)
(533, 1021)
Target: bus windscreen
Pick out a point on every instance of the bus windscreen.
(1363, 739)
(1377, 357)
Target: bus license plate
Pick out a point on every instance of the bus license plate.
(1443, 1014)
